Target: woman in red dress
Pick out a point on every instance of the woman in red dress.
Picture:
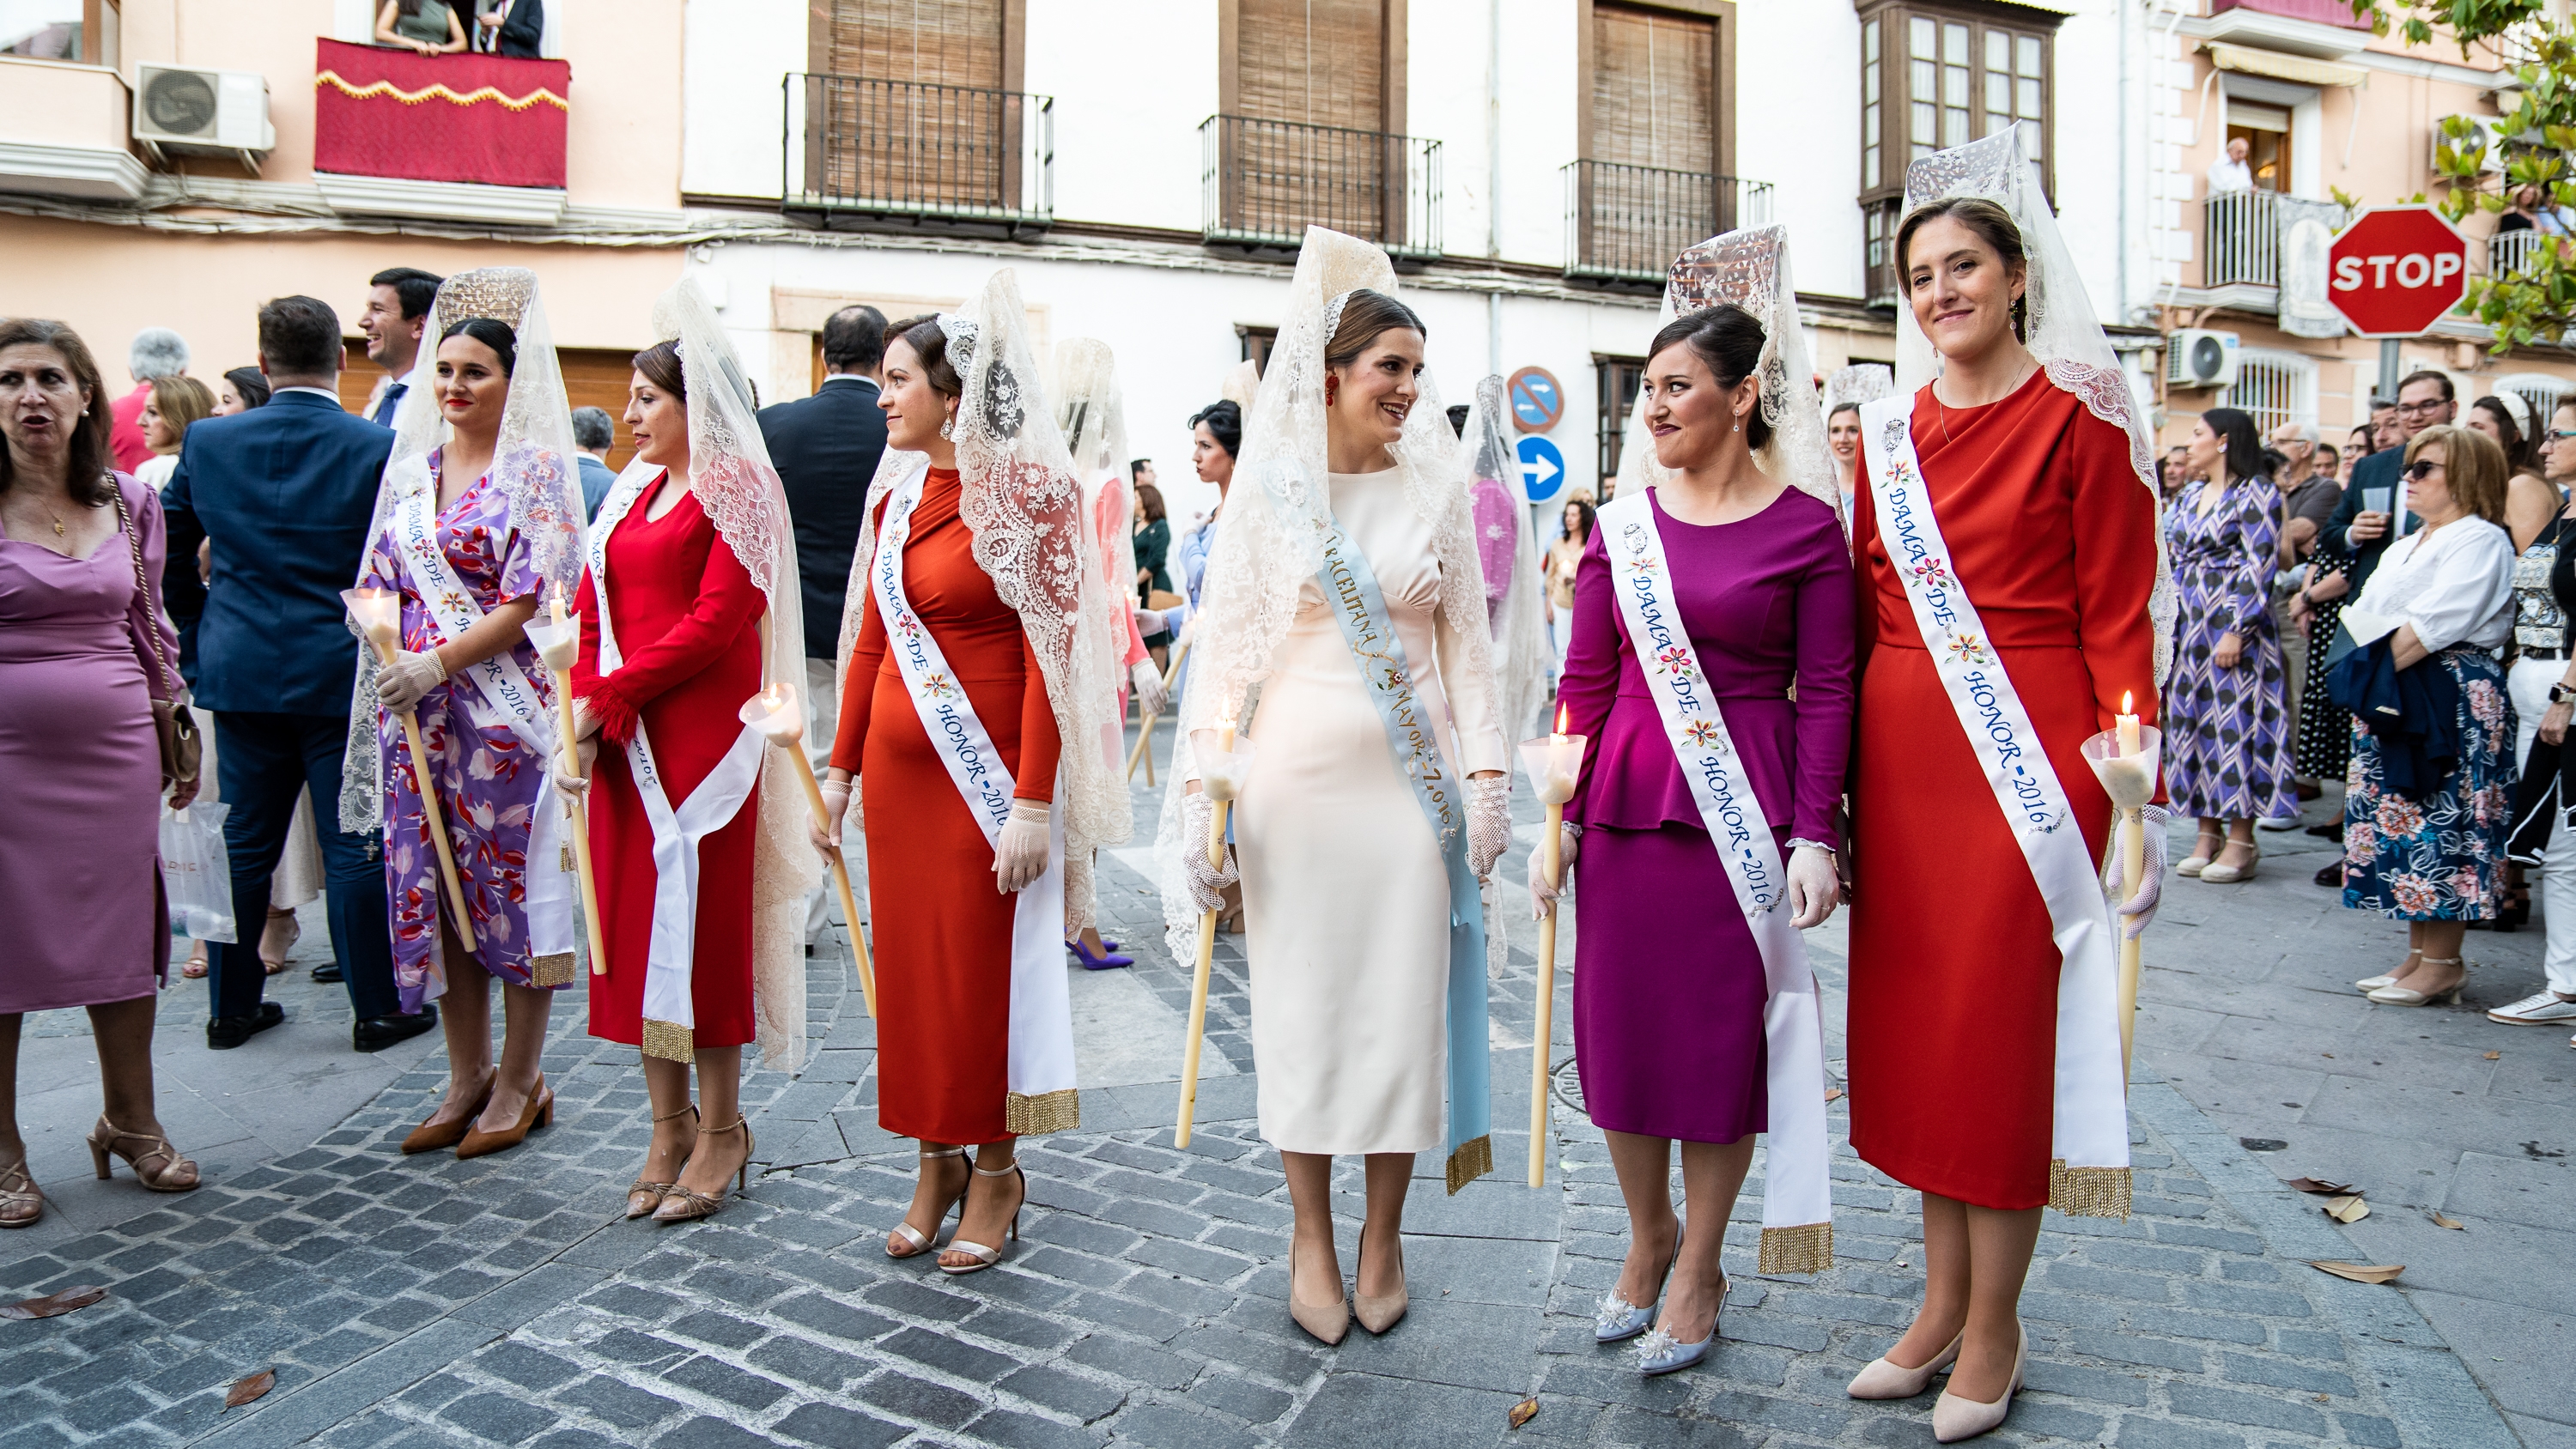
(991, 583)
(684, 614)
(1953, 1031)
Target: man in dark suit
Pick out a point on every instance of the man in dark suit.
(826, 449)
(285, 493)
(397, 310)
(2361, 534)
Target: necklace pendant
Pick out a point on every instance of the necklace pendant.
(58, 528)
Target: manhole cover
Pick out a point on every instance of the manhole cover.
(2262, 1144)
(1566, 1086)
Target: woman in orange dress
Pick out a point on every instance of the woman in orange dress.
(1997, 482)
(976, 603)
(687, 555)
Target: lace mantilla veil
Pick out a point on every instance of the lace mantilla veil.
(2064, 333)
(1521, 653)
(1268, 545)
(1022, 503)
(1750, 268)
(533, 462)
(1861, 382)
(730, 472)
(1093, 418)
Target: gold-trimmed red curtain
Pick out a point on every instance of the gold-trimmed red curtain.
(491, 119)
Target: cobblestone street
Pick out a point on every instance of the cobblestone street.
(420, 1302)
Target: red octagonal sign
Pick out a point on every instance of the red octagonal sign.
(2397, 270)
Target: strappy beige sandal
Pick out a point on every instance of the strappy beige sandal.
(917, 1241)
(986, 1257)
(18, 1190)
(655, 1191)
(682, 1204)
(106, 1139)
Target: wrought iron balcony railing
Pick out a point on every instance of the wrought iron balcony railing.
(1627, 223)
(1262, 183)
(929, 154)
(2241, 239)
(2508, 250)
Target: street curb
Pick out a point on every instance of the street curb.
(2429, 1391)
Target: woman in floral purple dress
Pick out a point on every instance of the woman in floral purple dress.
(2227, 712)
(479, 523)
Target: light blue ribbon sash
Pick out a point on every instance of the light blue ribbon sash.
(1350, 589)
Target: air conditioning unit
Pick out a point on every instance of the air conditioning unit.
(195, 111)
(2474, 129)
(2196, 357)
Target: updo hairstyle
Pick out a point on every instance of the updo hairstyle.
(929, 342)
(498, 336)
(660, 364)
(1224, 422)
(1729, 340)
(1992, 225)
(1365, 314)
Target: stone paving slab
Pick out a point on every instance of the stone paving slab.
(426, 1302)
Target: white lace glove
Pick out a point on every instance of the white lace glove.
(572, 776)
(2140, 907)
(1207, 882)
(1150, 622)
(1815, 885)
(1021, 857)
(1489, 822)
(836, 807)
(1543, 896)
(402, 681)
(1151, 697)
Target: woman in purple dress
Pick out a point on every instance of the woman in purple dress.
(2227, 711)
(1670, 986)
(479, 495)
(84, 650)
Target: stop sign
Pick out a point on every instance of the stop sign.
(2396, 271)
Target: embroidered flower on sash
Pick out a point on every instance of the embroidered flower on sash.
(1968, 647)
(1391, 678)
(937, 686)
(1643, 565)
(1674, 659)
(1701, 733)
(1932, 573)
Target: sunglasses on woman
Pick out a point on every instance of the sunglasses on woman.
(2421, 469)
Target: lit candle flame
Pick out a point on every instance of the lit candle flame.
(2128, 702)
(559, 606)
(773, 697)
(1563, 717)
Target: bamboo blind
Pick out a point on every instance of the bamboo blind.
(1315, 62)
(931, 42)
(1654, 89)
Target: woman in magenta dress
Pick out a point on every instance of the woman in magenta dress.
(84, 650)
(1671, 987)
(481, 473)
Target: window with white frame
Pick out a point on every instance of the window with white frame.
(2275, 387)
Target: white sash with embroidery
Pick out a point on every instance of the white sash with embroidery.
(501, 693)
(1797, 1194)
(2089, 1147)
(1040, 1084)
(670, 1013)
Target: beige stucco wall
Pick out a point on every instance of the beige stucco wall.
(109, 282)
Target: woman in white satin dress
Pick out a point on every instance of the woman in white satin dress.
(1352, 931)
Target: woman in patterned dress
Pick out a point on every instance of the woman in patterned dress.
(2433, 857)
(2227, 717)
(494, 491)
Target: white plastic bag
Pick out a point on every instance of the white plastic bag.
(197, 872)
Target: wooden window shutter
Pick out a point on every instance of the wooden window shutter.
(930, 42)
(1654, 89)
(1314, 62)
(915, 116)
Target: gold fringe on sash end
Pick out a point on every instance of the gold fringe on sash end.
(1808, 1248)
(2088, 1192)
(555, 970)
(1473, 1159)
(1041, 1114)
(668, 1040)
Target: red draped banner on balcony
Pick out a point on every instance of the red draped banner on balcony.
(380, 111)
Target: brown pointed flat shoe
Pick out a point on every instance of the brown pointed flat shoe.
(439, 1136)
(539, 1112)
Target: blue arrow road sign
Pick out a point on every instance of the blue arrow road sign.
(1542, 469)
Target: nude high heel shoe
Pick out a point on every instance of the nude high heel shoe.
(919, 1241)
(2395, 995)
(1884, 1379)
(652, 1193)
(1955, 1418)
(1327, 1323)
(681, 1205)
(1378, 1314)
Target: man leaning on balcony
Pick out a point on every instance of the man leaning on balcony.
(2232, 174)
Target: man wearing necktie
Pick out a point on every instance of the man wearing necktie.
(396, 310)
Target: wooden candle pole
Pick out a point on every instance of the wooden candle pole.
(840, 879)
(565, 725)
(1550, 854)
(1207, 959)
(430, 812)
(2133, 866)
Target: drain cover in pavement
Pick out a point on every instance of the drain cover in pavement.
(2262, 1144)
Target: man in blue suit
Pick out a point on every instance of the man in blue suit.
(286, 492)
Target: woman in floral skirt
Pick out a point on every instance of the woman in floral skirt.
(2433, 855)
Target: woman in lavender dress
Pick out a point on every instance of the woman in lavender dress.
(501, 499)
(2227, 713)
(1669, 985)
(82, 651)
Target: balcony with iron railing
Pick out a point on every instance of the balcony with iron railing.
(2508, 250)
(1262, 183)
(1625, 224)
(2240, 240)
(886, 152)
